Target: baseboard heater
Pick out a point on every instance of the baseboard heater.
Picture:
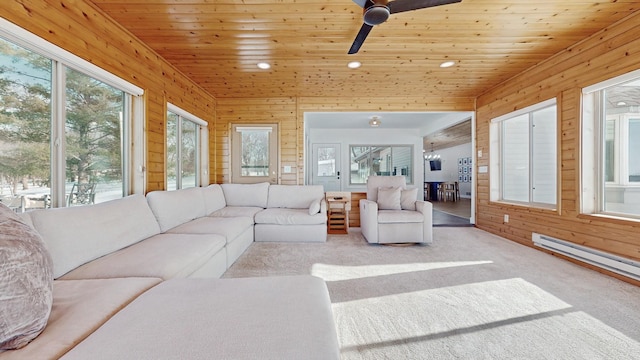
(617, 264)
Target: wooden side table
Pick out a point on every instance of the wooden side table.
(338, 219)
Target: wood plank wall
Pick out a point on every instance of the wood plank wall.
(82, 29)
(608, 53)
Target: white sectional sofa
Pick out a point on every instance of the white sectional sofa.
(292, 211)
(120, 269)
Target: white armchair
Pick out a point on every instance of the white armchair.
(392, 214)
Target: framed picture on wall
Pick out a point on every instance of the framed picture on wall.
(459, 161)
(465, 169)
(459, 169)
(460, 177)
(469, 161)
(465, 161)
(465, 178)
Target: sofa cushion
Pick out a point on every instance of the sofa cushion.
(163, 256)
(408, 199)
(176, 207)
(389, 198)
(213, 198)
(290, 217)
(399, 216)
(246, 194)
(79, 308)
(235, 211)
(294, 196)
(284, 318)
(76, 235)
(230, 228)
(26, 278)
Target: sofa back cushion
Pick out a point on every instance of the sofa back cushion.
(246, 194)
(294, 196)
(213, 198)
(376, 182)
(173, 208)
(77, 235)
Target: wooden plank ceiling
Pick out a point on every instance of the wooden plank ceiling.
(455, 135)
(218, 43)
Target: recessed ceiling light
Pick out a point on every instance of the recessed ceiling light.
(447, 64)
(354, 64)
(264, 65)
(621, 103)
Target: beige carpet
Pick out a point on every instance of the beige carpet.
(470, 295)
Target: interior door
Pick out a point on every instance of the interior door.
(326, 166)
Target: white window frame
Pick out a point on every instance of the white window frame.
(202, 143)
(496, 160)
(592, 176)
(133, 157)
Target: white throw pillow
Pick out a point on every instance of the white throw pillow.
(389, 198)
(408, 199)
(26, 282)
(314, 208)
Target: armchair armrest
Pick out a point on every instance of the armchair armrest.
(426, 208)
(369, 220)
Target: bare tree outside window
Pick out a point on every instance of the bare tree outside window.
(255, 153)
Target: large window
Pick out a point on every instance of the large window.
(524, 156)
(611, 147)
(184, 149)
(64, 124)
(368, 160)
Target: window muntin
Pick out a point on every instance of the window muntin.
(368, 160)
(610, 147)
(183, 149)
(69, 123)
(525, 168)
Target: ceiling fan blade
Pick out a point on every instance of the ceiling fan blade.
(408, 5)
(362, 35)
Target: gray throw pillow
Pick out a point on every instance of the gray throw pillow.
(389, 198)
(408, 199)
(26, 282)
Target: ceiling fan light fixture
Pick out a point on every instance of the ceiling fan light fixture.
(375, 121)
(376, 14)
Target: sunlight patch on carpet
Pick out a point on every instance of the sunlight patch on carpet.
(490, 318)
(330, 272)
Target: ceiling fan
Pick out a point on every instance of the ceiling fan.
(377, 11)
